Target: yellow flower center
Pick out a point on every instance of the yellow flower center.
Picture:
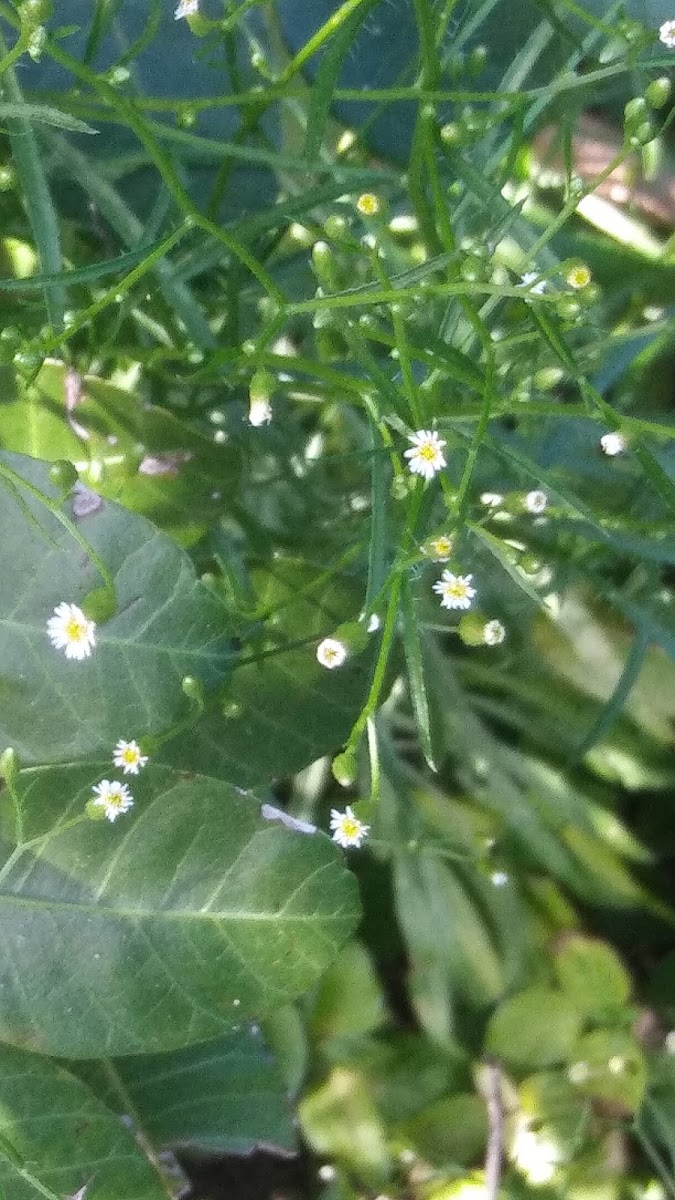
(130, 755)
(330, 654)
(351, 827)
(457, 590)
(368, 204)
(428, 451)
(75, 630)
(441, 546)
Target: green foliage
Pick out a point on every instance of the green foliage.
(313, 325)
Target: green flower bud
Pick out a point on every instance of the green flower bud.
(63, 475)
(657, 93)
(344, 768)
(336, 227)
(353, 635)
(9, 766)
(193, 688)
(325, 268)
(471, 629)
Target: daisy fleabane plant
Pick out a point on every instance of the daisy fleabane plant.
(113, 797)
(127, 755)
(425, 456)
(71, 631)
(186, 8)
(347, 829)
(667, 34)
(455, 591)
(533, 283)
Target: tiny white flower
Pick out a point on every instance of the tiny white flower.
(455, 590)
(374, 623)
(331, 653)
(186, 8)
(499, 879)
(425, 457)
(113, 797)
(491, 499)
(493, 633)
(127, 755)
(439, 548)
(531, 281)
(667, 34)
(612, 443)
(579, 1072)
(347, 829)
(617, 1064)
(535, 502)
(69, 630)
(259, 413)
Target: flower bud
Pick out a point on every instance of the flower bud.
(470, 629)
(657, 93)
(100, 604)
(63, 475)
(345, 768)
(9, 766)
(193, 688)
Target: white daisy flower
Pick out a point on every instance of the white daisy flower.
(493, 633)
(259, 413)
(667, 34)
(127, 755)
(491, 499)
(612, 444)
(455, 590)
(617, 1064)
(347, 829)
(113, 797)
(439, 548)
(533, 283)
(331, 653)
(535, 502)
(186, 8)
(374, 623)
(425, 456)
(69, 630)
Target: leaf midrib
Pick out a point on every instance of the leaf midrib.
(228, 915)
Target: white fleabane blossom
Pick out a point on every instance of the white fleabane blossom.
(127, 755)
(493, 633)
(331, 653)
(667, 34)
(533, 283)
(455, 590)
(259, 413)
(425, 456)
(579, 1072)
(347, 829)
(71, 631)
(186, 8)
(113, 797)
(491, 499)
(535, 502)
(612, 444)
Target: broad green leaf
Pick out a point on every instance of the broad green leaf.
(282, 710)
(453, 1130)
(165, 627)
(138, 454)
(592, 975)
(535, 1028)
(222, 1096)
(56, 1138)
(187, 916)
